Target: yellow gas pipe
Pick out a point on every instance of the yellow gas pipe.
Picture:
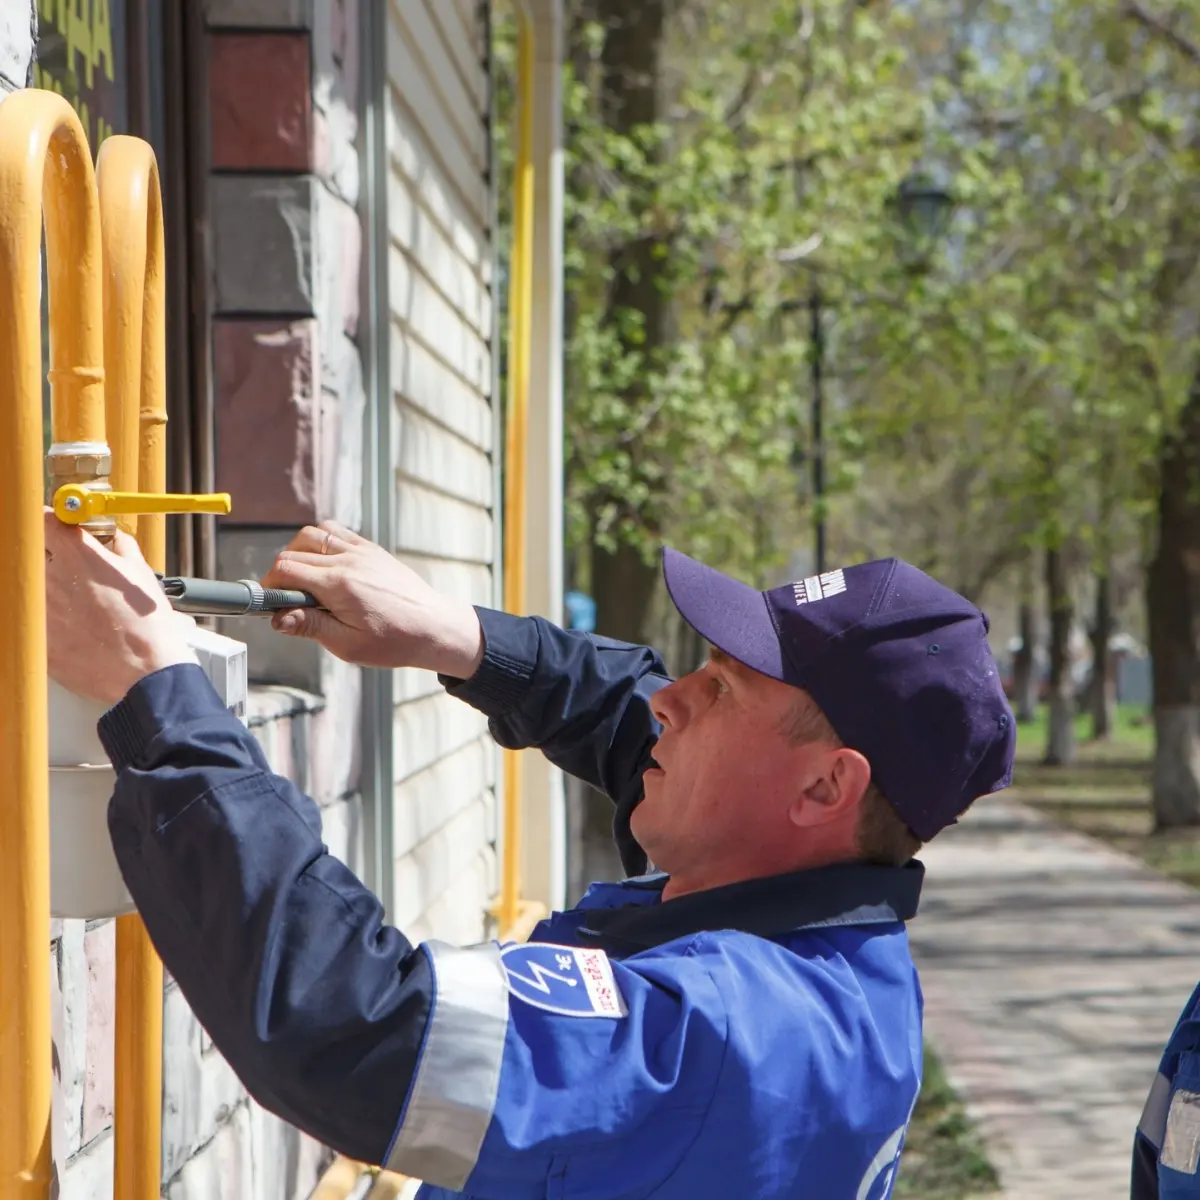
(45, 168)
(46, 174)
(520, 305)
(135, 360)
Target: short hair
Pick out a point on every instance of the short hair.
(883, 835)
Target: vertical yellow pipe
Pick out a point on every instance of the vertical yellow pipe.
(45, 165)
(135, 366)
(519, 355)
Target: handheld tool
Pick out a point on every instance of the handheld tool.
(245, 597)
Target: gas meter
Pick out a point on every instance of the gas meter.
(85, 880)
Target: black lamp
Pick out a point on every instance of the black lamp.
(924, 207)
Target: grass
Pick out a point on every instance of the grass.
(1132, 738)
(1106, 793)
(943, 1158)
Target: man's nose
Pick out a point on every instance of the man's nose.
(669, 704)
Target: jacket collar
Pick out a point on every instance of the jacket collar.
(843, 894)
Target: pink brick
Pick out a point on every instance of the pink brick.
(260, 89)
(266, 431)
(99, 949)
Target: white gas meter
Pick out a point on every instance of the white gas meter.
(85, 880)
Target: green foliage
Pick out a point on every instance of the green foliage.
(1008, 387)
(777, 131)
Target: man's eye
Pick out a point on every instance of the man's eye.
(719, 685)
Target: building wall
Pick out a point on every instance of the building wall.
(18, 31)
(441, 339)
(285, 219)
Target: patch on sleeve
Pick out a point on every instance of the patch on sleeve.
(1181, 1143)
(567, 980)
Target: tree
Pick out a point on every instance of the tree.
(1017, 396)
(1173, 583)
(783, 131)
(1173, 601)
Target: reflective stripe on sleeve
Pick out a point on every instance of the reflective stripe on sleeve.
(1153, 1124)
(458, 1077)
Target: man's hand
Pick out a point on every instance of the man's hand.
(108, 623)
(381, 613)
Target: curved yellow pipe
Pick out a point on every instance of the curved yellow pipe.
(45, 168)
(135, 358)
(520, 306)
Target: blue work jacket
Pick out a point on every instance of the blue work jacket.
(761, 1040)
(1166, 1147)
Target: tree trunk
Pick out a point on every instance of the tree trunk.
(623, 585)
(1024, 675)
(1103, 697)
(1173, 604)
(622, 582)
(1060, 734)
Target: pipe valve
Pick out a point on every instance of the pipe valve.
(77, 504)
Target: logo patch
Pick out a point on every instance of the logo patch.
(819, 587)
(567, 980)
(1181, 1142)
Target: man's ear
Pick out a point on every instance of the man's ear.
(836, 789)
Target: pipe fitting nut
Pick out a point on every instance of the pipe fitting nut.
(90, 468)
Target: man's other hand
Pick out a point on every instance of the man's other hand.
(380, 612)
(108, 622)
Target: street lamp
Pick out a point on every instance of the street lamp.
(924, 208)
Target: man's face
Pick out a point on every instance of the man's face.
(728, 774)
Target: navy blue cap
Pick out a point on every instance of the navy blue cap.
(899, 663)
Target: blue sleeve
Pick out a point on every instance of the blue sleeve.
(1178, 1071)
(583, 700)
(280, 950)
(479, 1065)
(544, 1060)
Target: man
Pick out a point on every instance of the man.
(1166, 1146)
(746, 1022)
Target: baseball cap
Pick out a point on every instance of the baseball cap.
(899, 663)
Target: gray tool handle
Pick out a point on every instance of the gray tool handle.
(246, 597)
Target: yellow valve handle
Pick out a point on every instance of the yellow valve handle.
(75, 504)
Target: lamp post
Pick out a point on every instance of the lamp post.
(817, 362)
(924, 208)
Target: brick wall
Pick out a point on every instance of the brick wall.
(285, 267)
(285, 257)
(288, 396)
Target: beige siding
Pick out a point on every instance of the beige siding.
(439, 285)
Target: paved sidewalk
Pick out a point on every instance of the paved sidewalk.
(1053, 969)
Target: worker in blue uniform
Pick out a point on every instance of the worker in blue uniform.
(742, 1020)
(1166, 1147)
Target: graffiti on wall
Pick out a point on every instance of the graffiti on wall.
(81, 55)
